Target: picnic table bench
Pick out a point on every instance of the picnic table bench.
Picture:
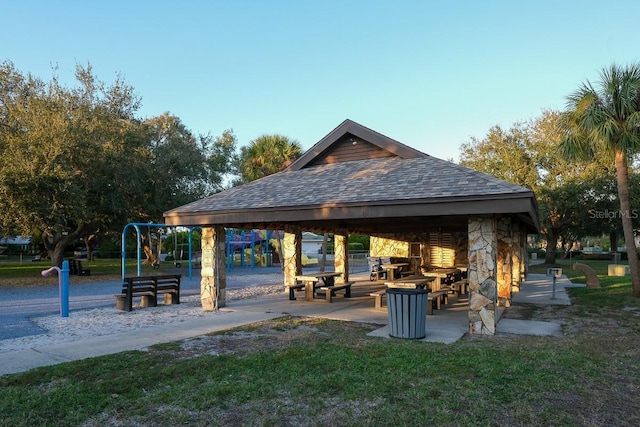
(293, 288)
(379, 294)
(459, 287)
(330, 291)
(148, 288)
(313, 282)
(436, 298)
(76, 269)
(405, 273)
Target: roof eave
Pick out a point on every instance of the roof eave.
(516, 204)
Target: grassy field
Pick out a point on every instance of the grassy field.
(313, 372)
(15, 273)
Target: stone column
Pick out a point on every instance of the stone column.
(341, 257)
(503, 271)
(516, 260)
(291, 254)
(213, 282)
(483, 292)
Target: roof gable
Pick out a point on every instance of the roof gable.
(394, 189)
(383, 182)
(351, 141)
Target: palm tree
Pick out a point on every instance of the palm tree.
(605, 121)
(267, 155)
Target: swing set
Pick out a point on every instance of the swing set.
(137, 227)
(242, 246)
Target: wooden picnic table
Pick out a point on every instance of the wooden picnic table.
(391, 268)
(436, 296)
(439, 274)
(463, 270)
(311, 280)
(410, 282)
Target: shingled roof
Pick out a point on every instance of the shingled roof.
(360, 181)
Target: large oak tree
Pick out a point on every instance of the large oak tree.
(67, 155)
(76, 161)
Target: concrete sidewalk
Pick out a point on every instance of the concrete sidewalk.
(445, 326)
(538, 289)
(23, 360)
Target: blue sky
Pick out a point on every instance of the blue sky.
(431, 74)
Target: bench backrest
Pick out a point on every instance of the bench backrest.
(146, 283)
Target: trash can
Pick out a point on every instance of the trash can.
(407, 312)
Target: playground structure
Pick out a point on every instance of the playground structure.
(256, 247)
(243, 248)
(249, 248)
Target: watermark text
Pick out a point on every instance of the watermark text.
(612, 214)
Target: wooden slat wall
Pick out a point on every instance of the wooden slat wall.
(345, 150)
(441, 249)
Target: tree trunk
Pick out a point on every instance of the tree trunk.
(57, 254)
(55, 242)
(325, 240)
(552, 245)
(622, 175)
(613, 240)
(89, 244)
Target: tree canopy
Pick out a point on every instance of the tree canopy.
(266, 155)
(77, 160)
(527, 154)
(59, 148)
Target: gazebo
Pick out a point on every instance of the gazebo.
(356, 180)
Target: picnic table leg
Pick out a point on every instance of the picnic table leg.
(309, 290)
(328, 295)
(378, 302)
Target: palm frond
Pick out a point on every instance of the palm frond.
(576, 146)
(606, 117)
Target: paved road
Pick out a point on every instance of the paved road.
(19, 304)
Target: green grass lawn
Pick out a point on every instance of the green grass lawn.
(314, 372)
(15, 273)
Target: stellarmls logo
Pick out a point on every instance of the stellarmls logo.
(607, 214)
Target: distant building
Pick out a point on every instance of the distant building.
(311, 244)
(18, 243)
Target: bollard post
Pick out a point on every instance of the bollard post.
(63, 286)
(555, 273)
(64, 290)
